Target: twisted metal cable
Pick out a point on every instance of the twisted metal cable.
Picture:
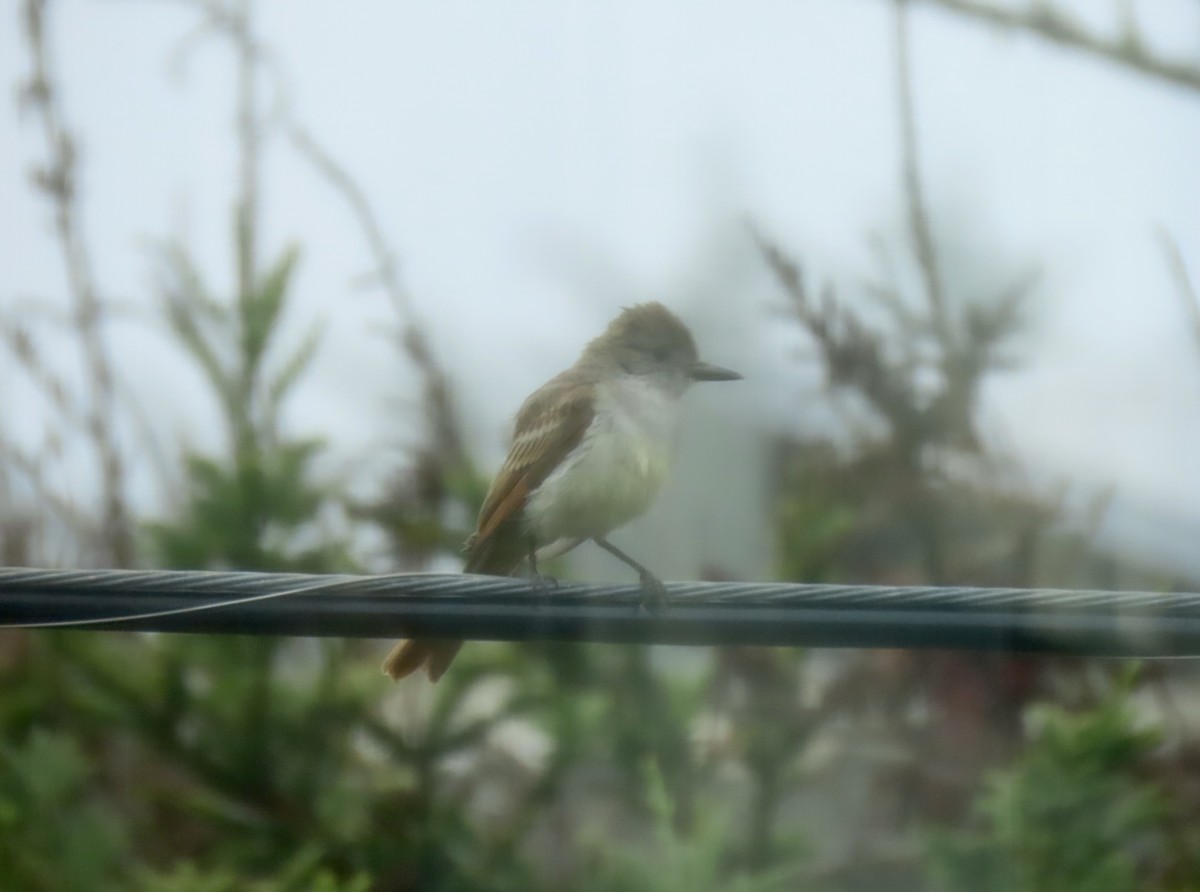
(1106, 623)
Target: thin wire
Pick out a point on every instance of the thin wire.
(114, 578)
(177, 611)
(348, 584)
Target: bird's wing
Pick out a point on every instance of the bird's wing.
(550, 424)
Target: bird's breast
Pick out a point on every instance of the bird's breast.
(615, 472)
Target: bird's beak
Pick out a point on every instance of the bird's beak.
(704, 371)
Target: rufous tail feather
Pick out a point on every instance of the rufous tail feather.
(434, 655)
(497, 555)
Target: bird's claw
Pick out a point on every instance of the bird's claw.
(654, 594)
(543, 586)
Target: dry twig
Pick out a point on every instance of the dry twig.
(1183, 281)
(438, 403)
(57, 179)
(918, 214)
(1042, 19)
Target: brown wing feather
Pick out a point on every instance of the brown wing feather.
(550, 424)
(511, 503)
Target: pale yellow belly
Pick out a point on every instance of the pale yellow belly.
(612, 480)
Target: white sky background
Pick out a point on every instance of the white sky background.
(538, 164)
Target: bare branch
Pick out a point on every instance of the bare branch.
(1128, 49)
(57, 180)
(35, 477)
(1187, 289)
(24, 348)
(918, 215)
(249, 147)
(854, 356)
(438, 403)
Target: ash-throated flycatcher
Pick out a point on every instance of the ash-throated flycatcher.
(590, 450)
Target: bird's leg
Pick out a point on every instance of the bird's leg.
(541, 584)
(654, 592)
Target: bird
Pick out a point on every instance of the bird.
(590, 450)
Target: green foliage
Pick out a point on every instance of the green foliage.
(1074, 812)
(301, 873)
(675, 861)
(426, 509)
(247, 514)
(248, 508)
(815, 520)
(56, 833)
(252, 736)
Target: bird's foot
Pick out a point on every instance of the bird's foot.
(654, 594)
(543, 586)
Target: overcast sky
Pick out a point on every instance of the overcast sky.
(537, 164)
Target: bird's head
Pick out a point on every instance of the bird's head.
(649, 341)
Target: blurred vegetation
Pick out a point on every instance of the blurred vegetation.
(249, 507)
(1079, 808)
(173, 763)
